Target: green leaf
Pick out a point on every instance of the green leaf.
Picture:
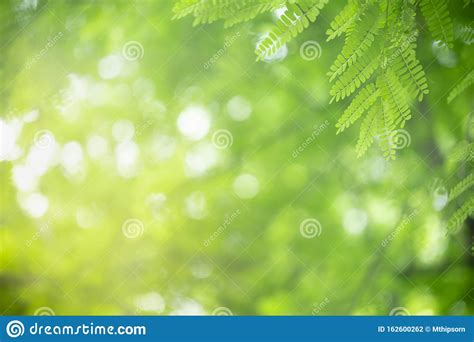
(368, 130)
(438, 20)
(462, 85)
(356, 44)
(364, 99)
(461, 187)
(292, 22)
(457, 219)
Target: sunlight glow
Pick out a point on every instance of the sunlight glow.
(355, 221)
(126, 156)
(195, 205)
(110, 66)
(97, 146)
(72, 159)
(246, 186)
(187, 307)
(434, 243)
(194, 122)
(34, 204)
(162, 147)
(24, 178)
(157, 202)
(200, 159)
(9, 133)
(239, 108)
(151, 302)
(87, 217)
(123, 130)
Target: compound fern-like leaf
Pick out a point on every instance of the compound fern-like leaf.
(232, 11)
(395, 103)
(368, 130)
(460, 215)
(355, 76)
(292, 22)
(463, 152)
(461, 187)
(410, 71)
(467, 81)
(363, 100)
(438, 20)
(356, 44)
(250, 10)
(343, 20)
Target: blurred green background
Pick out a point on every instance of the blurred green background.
(153, 167)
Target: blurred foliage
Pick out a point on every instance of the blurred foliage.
(152, 167)
(378, 63)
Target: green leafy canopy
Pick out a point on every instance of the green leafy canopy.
(377, 67)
